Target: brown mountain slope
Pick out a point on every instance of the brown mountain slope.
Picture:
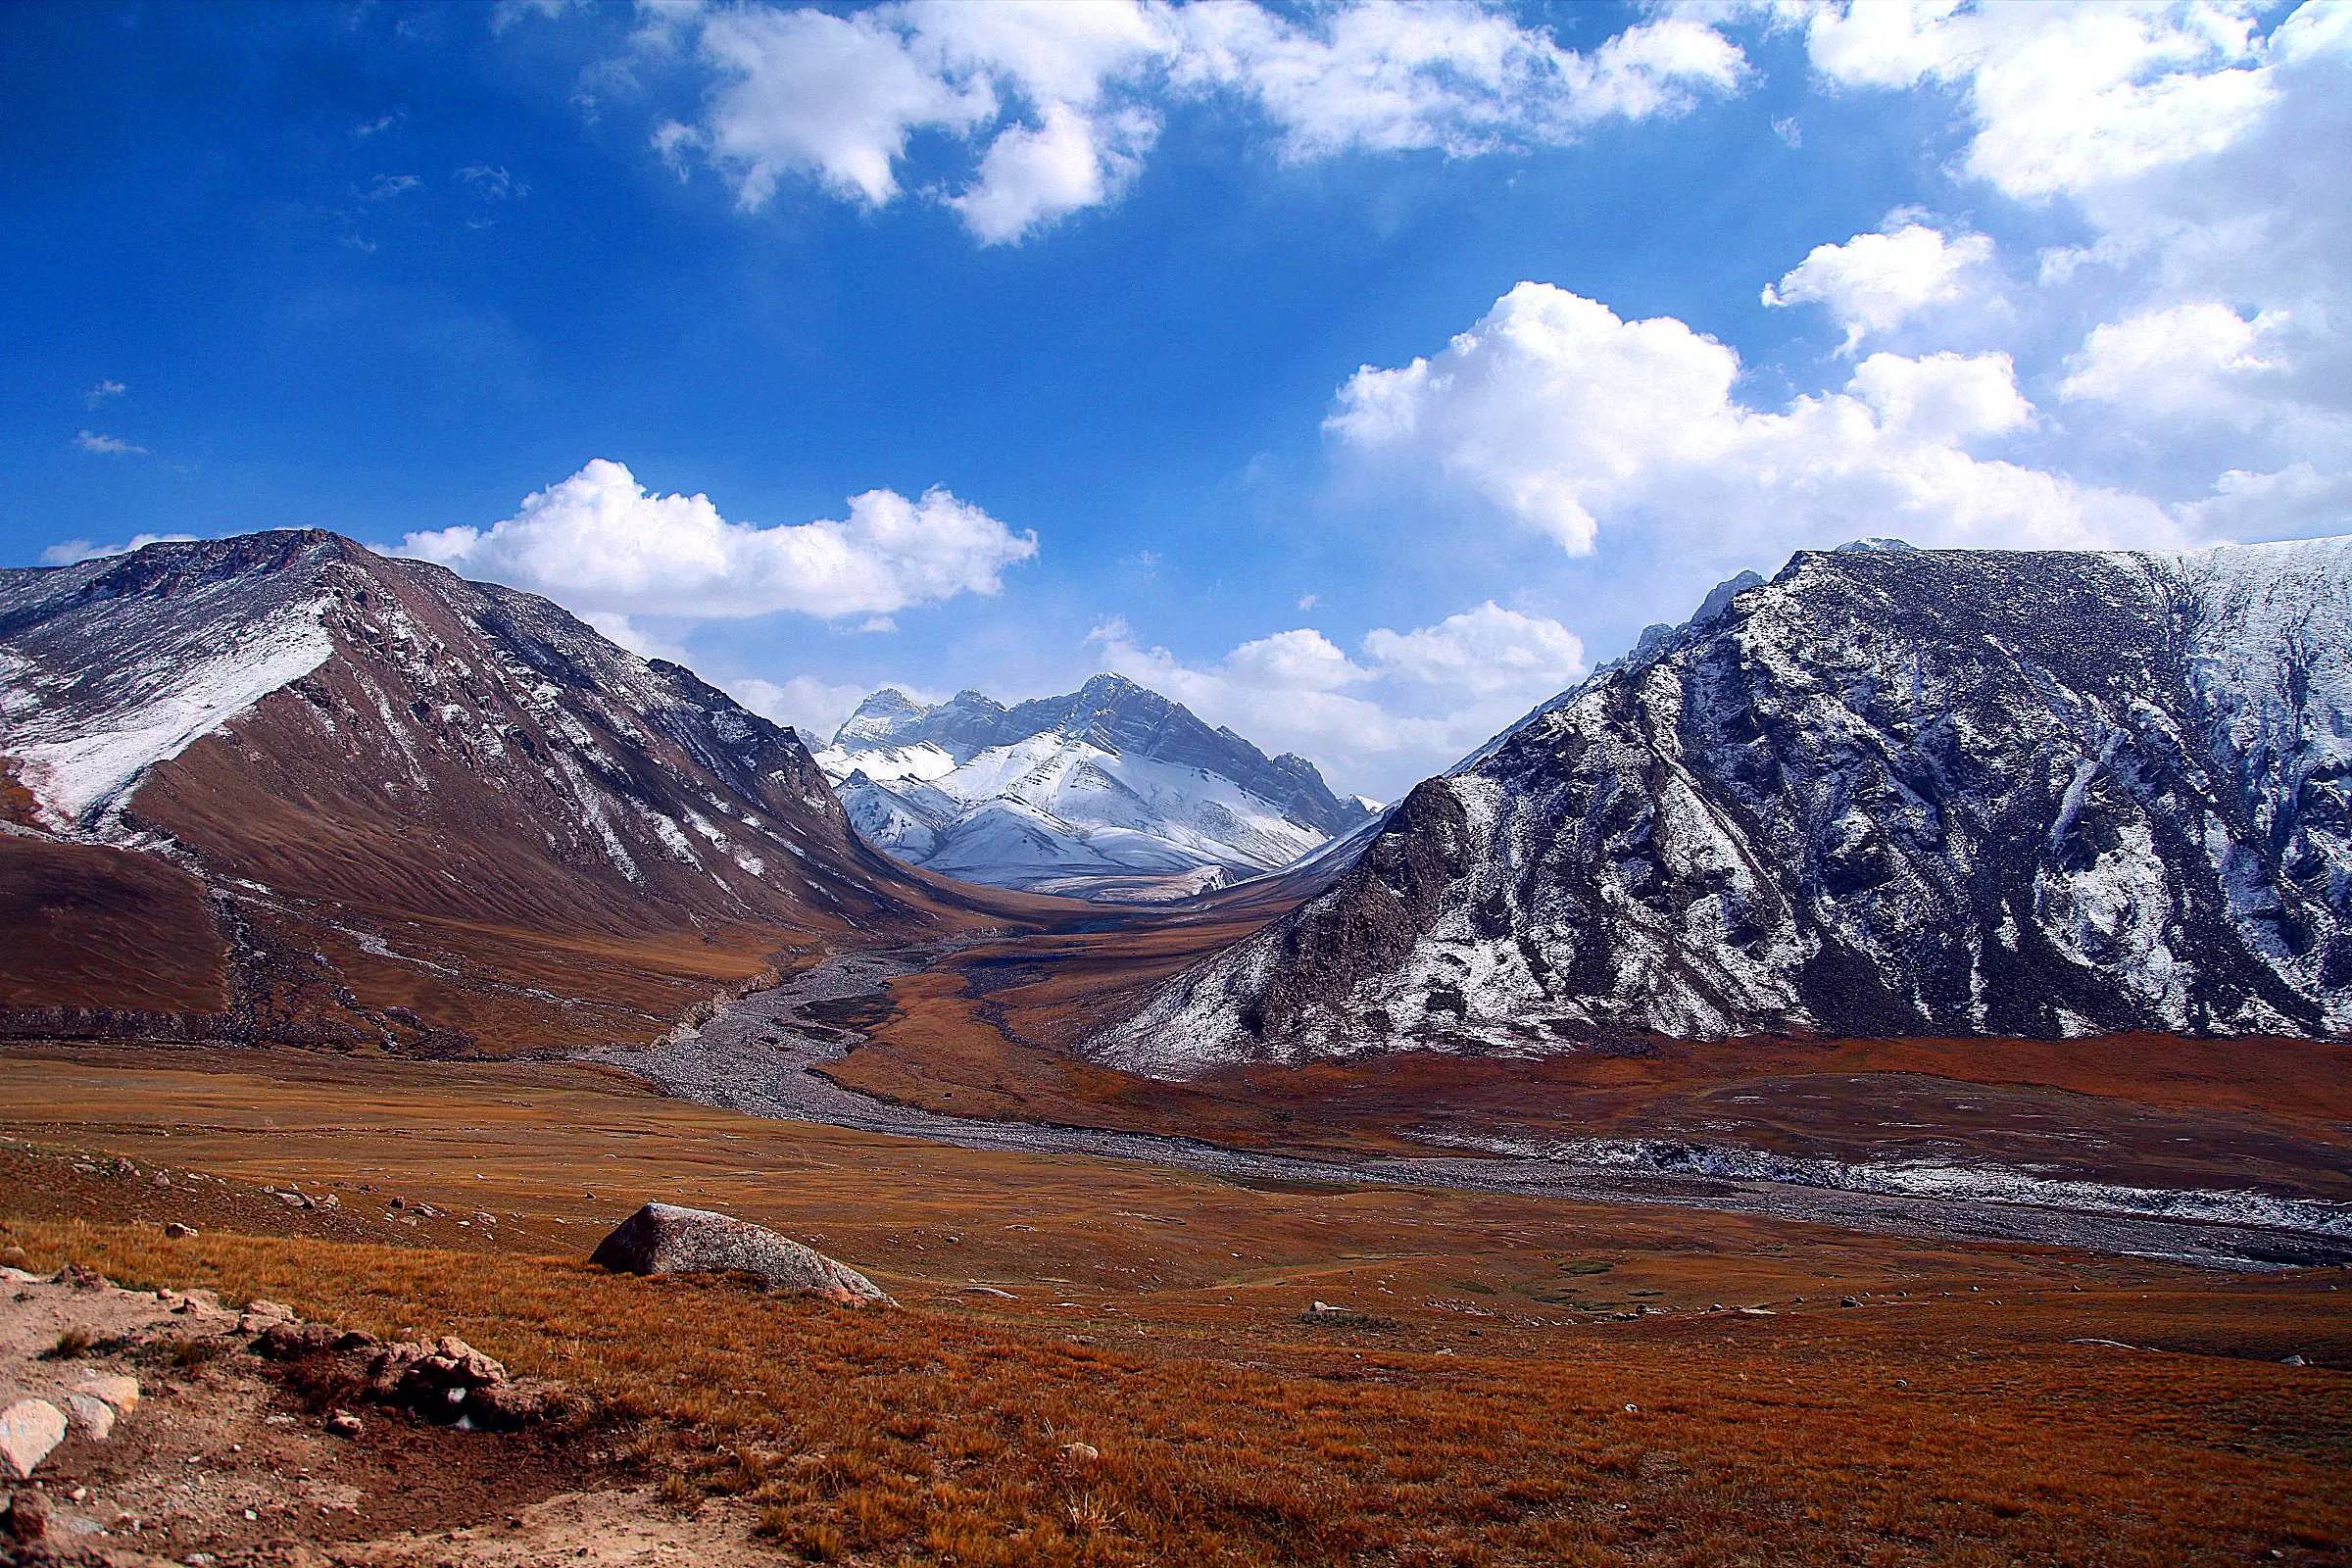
(280, 786)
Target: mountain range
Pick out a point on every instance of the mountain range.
(1889, 792)
(279, 786)
(1111, 792)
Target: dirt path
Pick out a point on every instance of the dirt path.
(761, 1054)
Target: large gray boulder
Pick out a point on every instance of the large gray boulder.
(665, 1239)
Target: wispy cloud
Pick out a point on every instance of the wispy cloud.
(379, 125)
(101, 391)
(113, 446)
(493, 182)
(385, 187)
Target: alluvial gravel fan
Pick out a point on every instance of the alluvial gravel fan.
(1110, 792)
(279, 784)
(1891, 792)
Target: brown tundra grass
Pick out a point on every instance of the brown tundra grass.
(1941, 1434)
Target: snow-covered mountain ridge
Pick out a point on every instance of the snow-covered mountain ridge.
(1891, 792)
(1110, 792)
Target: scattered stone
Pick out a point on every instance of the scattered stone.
(1848, 1301)
(259, 1315)
(2294, 1360)
(664, 1239)
(179, 1232)
(27, 1518)
(81, 1277)
(1324, 1314)
(94, 1416)
(326, 1201)
(29, 1430)
(988, 1290)
(343, 1424)
(119, 1391)
(1077, 1454)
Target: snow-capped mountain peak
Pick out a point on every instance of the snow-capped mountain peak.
(1111, 791)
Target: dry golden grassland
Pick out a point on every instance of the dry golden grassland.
(1493, 1405)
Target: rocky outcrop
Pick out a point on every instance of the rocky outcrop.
(1889, 792)
(664, 1239)
(443, 1380)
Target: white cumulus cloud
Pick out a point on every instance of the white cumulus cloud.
(1569, 419)
(1032, 176)
(2194, 360)
(1875, 282)
(1482, 652)
(601, 543)
(2200, 146)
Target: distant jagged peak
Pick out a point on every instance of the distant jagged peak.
(887, 709)
(1112, 782)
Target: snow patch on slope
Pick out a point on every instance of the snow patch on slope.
(84, 758)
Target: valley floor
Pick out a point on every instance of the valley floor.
(1514, 1378)
(772, 1052)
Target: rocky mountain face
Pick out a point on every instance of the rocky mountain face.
(1111, 792)
(280, 784)
(1889, 792)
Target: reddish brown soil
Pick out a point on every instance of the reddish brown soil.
(93, 927)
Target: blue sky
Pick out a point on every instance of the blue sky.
(1186, 340)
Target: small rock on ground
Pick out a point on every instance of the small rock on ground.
(29, 1430)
